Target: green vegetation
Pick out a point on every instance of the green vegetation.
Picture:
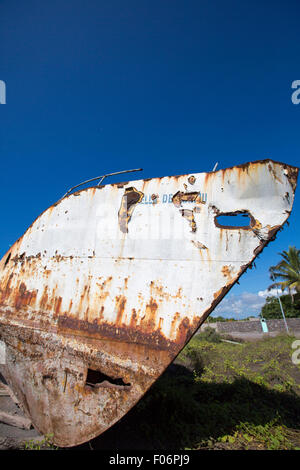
(210, 335)
(44, 444)
(218, 319)
(291, 307)
(218, 395)
(287, 270)
(222, 319)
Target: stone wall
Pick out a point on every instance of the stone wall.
(254, 326)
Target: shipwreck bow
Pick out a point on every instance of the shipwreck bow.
(107, 286)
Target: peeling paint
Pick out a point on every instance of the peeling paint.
(130, 199)
(180, 196)
(76, 297)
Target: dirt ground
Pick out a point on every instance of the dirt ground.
(12, 437)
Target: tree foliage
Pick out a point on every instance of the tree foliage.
(219, 319)
(287, 270)
(291, 308)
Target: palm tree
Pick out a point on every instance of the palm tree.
(288, 271)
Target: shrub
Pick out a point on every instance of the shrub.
(210, 335)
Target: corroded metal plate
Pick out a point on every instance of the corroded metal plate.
(117, 278)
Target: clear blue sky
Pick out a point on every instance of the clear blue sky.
(170, 86)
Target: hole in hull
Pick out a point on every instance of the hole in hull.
(96, 378)
(232, 220)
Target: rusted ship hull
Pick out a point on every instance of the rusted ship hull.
(117, 278)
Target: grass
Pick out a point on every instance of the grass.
(218, 395)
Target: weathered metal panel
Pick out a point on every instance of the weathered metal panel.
(118, 278)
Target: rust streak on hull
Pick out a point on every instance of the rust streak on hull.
(115, 280)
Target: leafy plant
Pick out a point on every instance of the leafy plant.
(287, 270)
(46, 443)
